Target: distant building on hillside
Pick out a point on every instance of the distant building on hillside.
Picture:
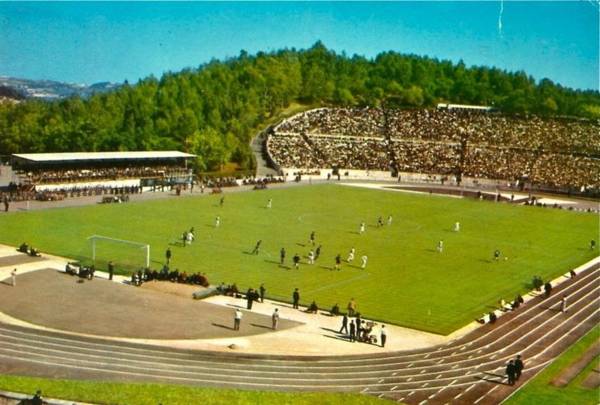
(464, 107)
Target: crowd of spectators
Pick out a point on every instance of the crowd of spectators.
(552, 152)
(94, 174)
(166, 274)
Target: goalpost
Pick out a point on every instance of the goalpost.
(94, 239)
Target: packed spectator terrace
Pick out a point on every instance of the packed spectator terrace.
(557, 153)
(64, 168)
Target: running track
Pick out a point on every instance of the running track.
(465, 371)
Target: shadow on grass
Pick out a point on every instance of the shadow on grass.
(273, 262)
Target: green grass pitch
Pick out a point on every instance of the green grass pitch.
(406, 282)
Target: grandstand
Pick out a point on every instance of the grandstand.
(468, 146)
(56, 175)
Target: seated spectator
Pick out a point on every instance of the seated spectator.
(24, 248)
(312, 308)
(335, 310)
(34, 252)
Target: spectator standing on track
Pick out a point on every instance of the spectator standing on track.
(6, 204)
(237, 319)
(111, 270)
(563, 304)
(262, 290)
(547, 289)
(352, 331)
(251, 296)
(510, 372)
(344, 324)
(13, 275)
(383, 335)
(296, 298)
(168, 255)
(275, 318)
(519, 366)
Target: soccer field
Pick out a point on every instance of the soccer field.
(406, 282)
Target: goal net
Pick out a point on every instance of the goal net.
(123, 253)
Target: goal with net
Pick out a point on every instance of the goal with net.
(124, 253)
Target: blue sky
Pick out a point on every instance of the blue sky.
(94, 41)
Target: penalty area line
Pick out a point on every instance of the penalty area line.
(339, 283)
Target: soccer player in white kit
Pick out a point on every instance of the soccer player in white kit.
(351, 255)
(457, 227)
(364, 261)
(389, 221)
(311, 257)
(440, 246)
(270, 203)
(362, 228)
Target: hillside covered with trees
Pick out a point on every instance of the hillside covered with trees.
(214, 110)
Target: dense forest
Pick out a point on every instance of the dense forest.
(214, 110)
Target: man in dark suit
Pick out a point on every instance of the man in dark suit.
(262, 292)
(344, 324)
(519, 366)
(111, 270)
(296, 298)
(510, 372)
(168, 255)
(352, 331)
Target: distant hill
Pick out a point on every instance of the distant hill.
(51, 90)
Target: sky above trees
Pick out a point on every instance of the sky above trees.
(92, 42)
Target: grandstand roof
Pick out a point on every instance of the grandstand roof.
(87, 156)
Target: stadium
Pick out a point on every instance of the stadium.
(228, 215)
(388, 185)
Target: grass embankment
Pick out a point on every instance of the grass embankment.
(406, 282)
(540, 391)
(152, 394)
